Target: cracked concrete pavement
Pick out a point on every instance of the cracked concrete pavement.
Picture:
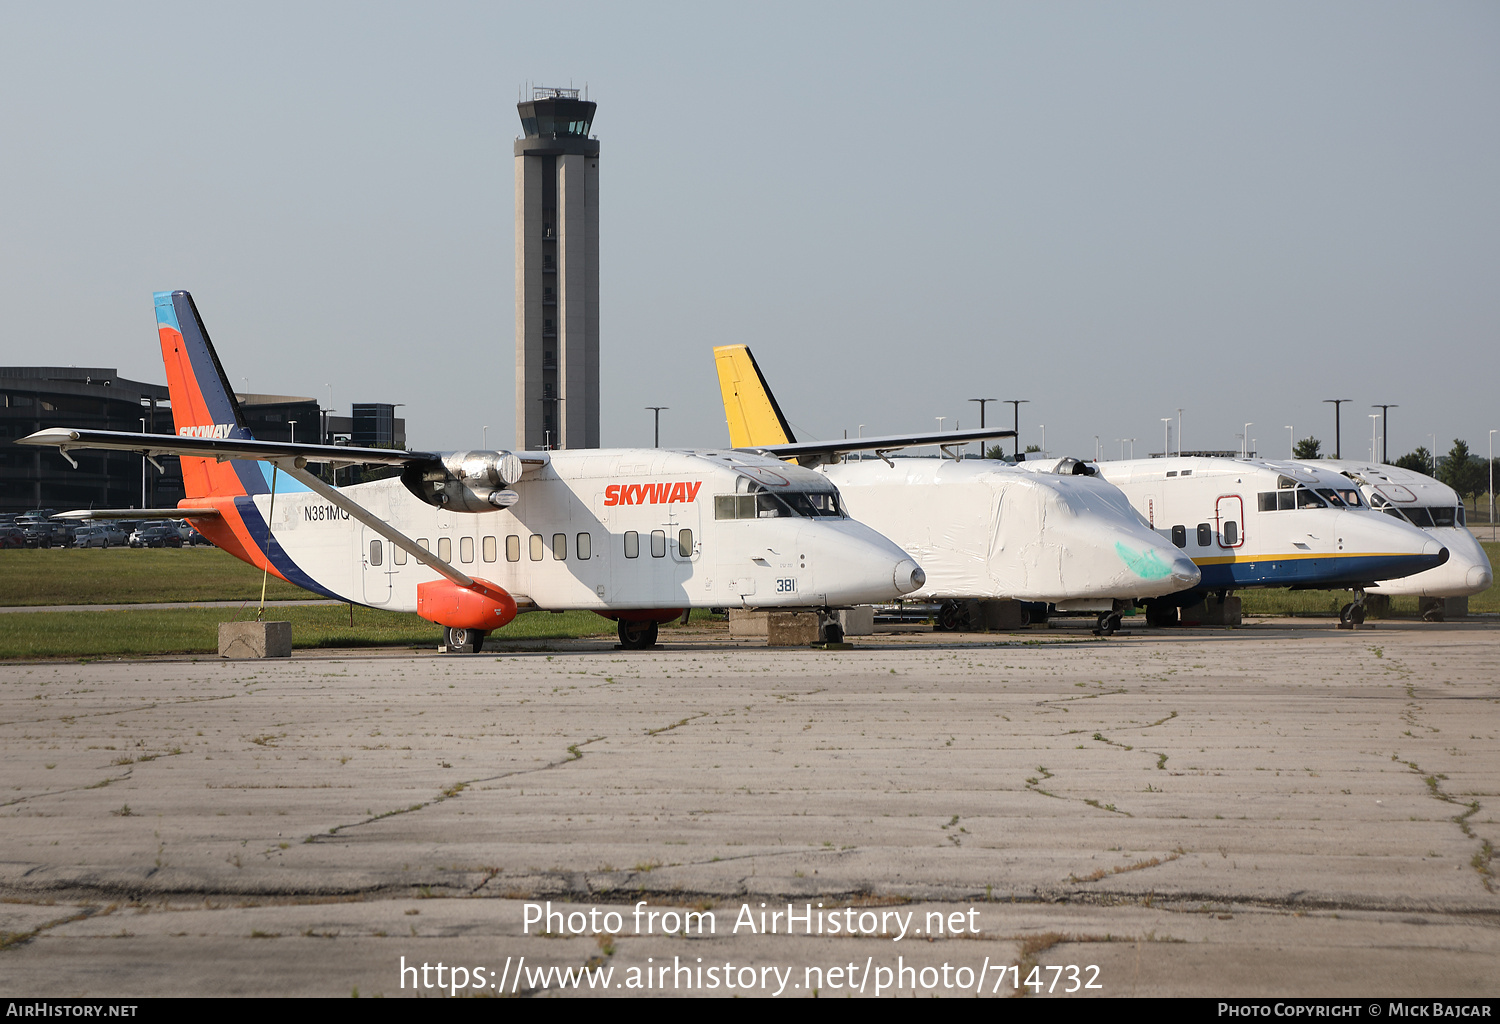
(1284, 809)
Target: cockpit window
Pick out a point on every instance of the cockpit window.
(1419, 517)
(1307, 499)
(1443, 516)
(765, 505)
(1351, 497)
(1331, 496)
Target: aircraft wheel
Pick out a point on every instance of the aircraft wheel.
(950, 617)
(1108, 623)
(833, 633)
(1353, 614)
(637, 636)
(462, 641)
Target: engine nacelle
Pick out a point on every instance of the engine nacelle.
(466, 481)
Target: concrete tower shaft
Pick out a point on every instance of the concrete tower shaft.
(557, 273)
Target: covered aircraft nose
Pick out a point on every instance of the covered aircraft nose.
(1184, 573)
(909, 576)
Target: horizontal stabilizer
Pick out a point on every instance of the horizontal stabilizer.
(815, 452)
(89, 514)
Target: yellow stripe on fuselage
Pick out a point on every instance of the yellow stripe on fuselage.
(749, 409)
(1229, 559)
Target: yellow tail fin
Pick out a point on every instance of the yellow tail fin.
(750, 409)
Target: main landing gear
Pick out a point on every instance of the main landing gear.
(637, 636)
(457, 640)
(1353, 613)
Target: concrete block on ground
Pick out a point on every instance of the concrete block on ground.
(1377, 606)
(857, 621)
(1213, 612)
(747, 625)
(255, 639)
(1002, 615)
(791, 629)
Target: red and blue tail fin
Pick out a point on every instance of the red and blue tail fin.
(203, 404)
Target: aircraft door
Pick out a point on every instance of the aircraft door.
(1229, 513)
(378, 565)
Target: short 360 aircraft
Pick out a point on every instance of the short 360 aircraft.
(467, 539)
(982, 529)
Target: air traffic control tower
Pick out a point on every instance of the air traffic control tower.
(557, 273)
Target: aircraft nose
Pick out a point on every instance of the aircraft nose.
(909, 576)
(1185, 572)
(1479, 576)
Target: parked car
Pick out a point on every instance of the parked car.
(101, 535)
(12, 537)
(155, 537)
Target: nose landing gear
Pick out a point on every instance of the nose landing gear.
(1353, 613)
(457, 640)
(637, 636)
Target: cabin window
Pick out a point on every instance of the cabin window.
(685, 543)
(398, 555)
(489, 549)
(1231, 533)
(512, 548)
(537, 547)
(466, 549)
(1267, 501)
(1171, 472)
(1187, 472)
(559, 547)
(422, 543)
(1179, 536)
(632, 544)
(1205, 535)
(658, 543)
(445, 549)
(585, 546)
(375, 552)
(1307, 499)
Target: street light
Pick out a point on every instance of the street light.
(1374, 437)
(1385, 431)
(1246, 438)
(1096, 447)
(1016, 404)
(1179, 433)
(1291, 442)
(1166, 433)
(1492, 485)
(1043, 428)
(1336, 402)
(143, 467)
(657, 409)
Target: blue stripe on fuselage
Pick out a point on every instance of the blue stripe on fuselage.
(255, 523)
(1332, 572)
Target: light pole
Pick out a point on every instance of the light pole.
(1374, 437)
(1246, 439)
(143, 467)
(1043, 428)
(1432, 454)
(1291, 441)
(657, 409)
(1132, 447)
(1179, 433)
(1166, 434)
(486, 435)
(1336, 402)
(1096, 447)
(1385, 431)
(1016, 404)
(1492, 485)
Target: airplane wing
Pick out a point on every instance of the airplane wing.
(814, 452)
(221, 448)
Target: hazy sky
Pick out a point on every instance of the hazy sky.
(1111, 210)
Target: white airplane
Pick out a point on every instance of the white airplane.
(1431, 506)
(1260, 523)
(467, 539)
(981, 529)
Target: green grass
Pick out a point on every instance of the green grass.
(46, 576)
(196, 630)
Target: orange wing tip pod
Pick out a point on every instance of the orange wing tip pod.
(482, 606)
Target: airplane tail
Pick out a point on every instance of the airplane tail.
(203, 404)
(749, 407)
